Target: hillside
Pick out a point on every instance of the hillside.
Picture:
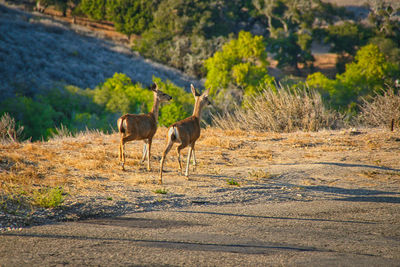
(38, 53)
(346, 165)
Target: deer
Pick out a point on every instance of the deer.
(141, 127)
(186, 132)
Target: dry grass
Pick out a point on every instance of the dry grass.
(286, 110)
(382, 110)
(87, 165)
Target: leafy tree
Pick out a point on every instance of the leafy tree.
(95, 9)
(345, 39)
(180, 107)
(241, 65)
(131, 16)
(37, 118)
(119, 95)
(389, 48)
(366, 75)
(385, 19)
(185, 33)
(290, 25)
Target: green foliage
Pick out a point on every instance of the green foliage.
(180, 106)
(49, 197)
(390, 49)
(185, 33)
(290, 24)
(241, 64)
(37, 118)
(131, 16)
(72, 109)
(232, 182)
(344, 40)
(367, 74)
(162, 191)
(95, 9)
(346, 37)
(119, 95)
(385, 19)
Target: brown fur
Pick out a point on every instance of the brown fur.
(186, 132)
(141, 127)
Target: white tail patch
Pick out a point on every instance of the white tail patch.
(173, 131)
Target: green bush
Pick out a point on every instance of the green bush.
(367, 74)
(37, 118)
(180, 107)
(48, 197)
(76, 109)
(241, 65)
(119, 95)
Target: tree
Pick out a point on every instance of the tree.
(238, 68)
(119, 95)
(385, 19)
(131, 16)
(366, 75)
(95, 9)
(290, 24)
(345, 39)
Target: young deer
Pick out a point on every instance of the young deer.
(141, 127)
(186, 132)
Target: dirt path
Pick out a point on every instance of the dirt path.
(315, 233)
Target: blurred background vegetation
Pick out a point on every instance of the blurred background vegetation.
(230, 44)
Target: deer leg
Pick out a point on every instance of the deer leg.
(122, 153)
(167, 149)
(188, 161)
(144, 152)
(194, 156)
(148, 154)
(178, 150)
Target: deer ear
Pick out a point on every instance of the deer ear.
(154, 87)
(194, 91)
(206, 92)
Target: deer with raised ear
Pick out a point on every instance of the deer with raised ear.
(141, 127)
(186, 132)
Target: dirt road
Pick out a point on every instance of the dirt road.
(315, 233)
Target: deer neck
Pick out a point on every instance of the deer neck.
(197, 110)
(154, 110)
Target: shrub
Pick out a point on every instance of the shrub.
(38, 118)
(241, 64)
(286, 110)
(381, 110)
(368, 73)
(9, 130)
(178, 108)
(49, 197)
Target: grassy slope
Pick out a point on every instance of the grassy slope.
(37, 52)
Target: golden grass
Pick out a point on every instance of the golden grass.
(88, 164)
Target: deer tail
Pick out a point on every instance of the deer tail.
(173, 134)
(121, 123)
